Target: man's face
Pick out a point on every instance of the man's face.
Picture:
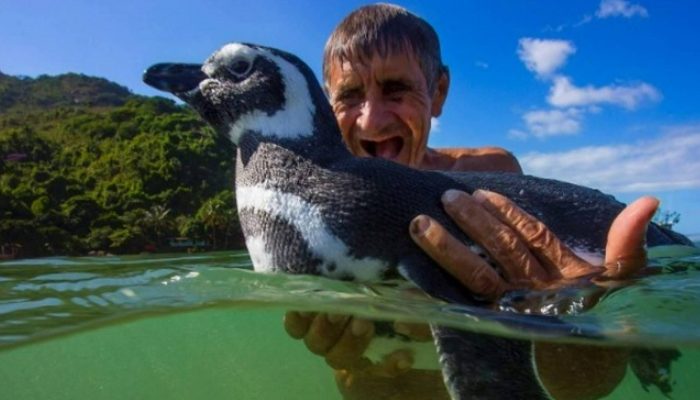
(384, 106)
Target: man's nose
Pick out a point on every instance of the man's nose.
(374, 115)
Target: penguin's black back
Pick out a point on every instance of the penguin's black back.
(369, 204)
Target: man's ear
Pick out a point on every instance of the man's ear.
(440, 93)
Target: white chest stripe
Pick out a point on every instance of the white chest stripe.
(295, 120)
(262, 259)
(307, 219)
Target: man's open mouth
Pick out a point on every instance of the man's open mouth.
(388, 149)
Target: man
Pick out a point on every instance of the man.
(385, 79)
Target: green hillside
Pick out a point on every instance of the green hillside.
(21, 93)
(86, 165)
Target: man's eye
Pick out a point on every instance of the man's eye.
(395, 90)
(349, 96)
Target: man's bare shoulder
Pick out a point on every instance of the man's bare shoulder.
(471, 159)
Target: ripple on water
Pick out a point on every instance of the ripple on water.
(43, 297)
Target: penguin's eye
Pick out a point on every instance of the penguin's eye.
(240, 68)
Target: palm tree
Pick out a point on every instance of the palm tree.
(157, 220)
(219, 217)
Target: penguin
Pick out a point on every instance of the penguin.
(308, 206)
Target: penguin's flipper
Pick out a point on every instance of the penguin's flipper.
(478, 366)
(653, 368)
(475, 366)
(435, 281)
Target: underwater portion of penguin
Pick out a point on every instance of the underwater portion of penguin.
(307, 206)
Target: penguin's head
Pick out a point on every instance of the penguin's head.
(244, 88)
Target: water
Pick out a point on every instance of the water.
(206, 326)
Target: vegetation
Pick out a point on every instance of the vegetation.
(86, 165)
(667, 218)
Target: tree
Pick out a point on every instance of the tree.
(84, 164)
(220, 219)
(158, 222)
(667, 218)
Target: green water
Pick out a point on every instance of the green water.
(206, 327)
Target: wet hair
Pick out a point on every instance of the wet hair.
(385, 29)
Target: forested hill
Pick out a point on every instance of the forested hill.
(86, 165)
(58, 91)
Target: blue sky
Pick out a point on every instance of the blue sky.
(602, 93)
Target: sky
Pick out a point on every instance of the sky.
(600, 93)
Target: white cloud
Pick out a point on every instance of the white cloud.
(620, 8)
(482, 64)
(517, 134)
(606, 9)
(668, 162)
(544, 56)
(545, 123)
(584, 20)
(558, 28)
(434, 125)
(565, 94)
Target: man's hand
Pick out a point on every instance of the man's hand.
(530, 254)
(342, 341)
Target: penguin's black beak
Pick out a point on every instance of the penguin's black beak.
(174, 78)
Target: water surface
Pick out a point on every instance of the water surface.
(206, 326)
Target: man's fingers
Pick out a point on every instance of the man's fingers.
(393, 364)
(348, 351)
(555, 257)
(415, 331)
(297, 324)
(625, 253)
(341, 339)
(324, 332)
(503, 244)
(456, 258)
